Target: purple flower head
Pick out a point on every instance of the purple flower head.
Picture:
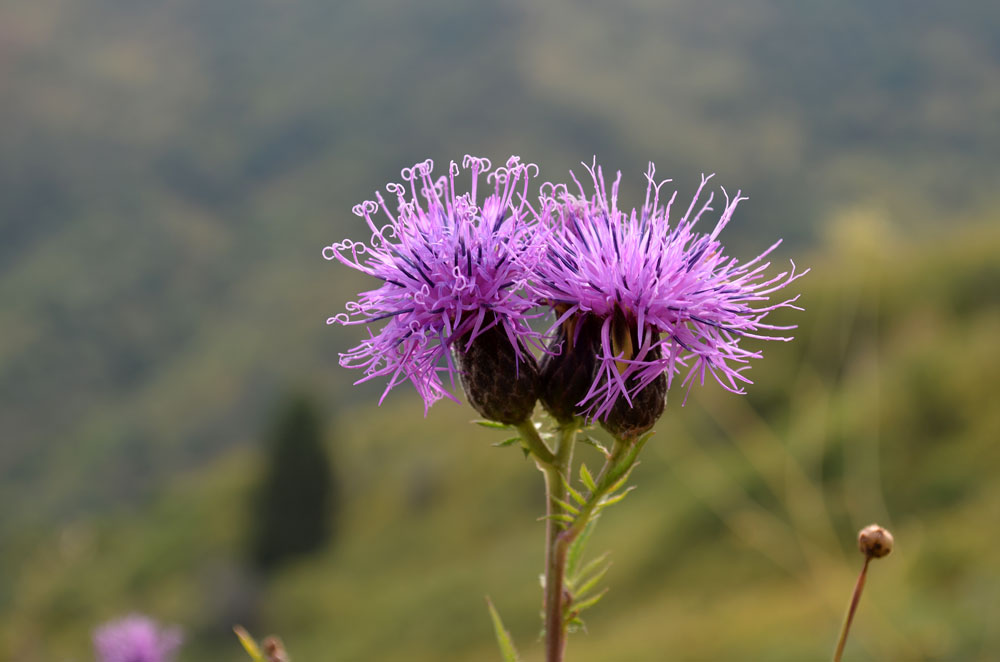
(652, 299)
(452, 268)
(136, 639)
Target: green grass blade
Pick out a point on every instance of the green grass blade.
(503, 637)
(249, 645)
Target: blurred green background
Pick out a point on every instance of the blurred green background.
(170, 171)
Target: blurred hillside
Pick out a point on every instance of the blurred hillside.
(737, 544)
(169, 172)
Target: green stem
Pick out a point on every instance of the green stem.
(556, 477)
(531, 439)
(855, 598)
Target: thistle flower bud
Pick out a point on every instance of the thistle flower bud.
(629, 421)
(566, 376)
(875, 541)
(500, 385)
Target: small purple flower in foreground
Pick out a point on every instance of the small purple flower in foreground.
(452, 269)
(652, 299)
(136, 639)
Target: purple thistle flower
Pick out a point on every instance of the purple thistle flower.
(653, 299)
(136, 639)
(452, 268)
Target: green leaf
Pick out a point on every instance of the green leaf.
(575, 624)
(619, 481)
(558, 517)
(568, 507)
(503, 637)
(589, 585)
(578, 607)
(249, 645)
(575, 552)
(590, 441)
(610, 501)
(625, 465)
(572, 492)
(507, 442)
(591, 567)
(587, 478)
(491, 424)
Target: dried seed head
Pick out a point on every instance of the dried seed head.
(501, 385)
(874, 541)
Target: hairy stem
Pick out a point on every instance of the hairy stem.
(556, 476)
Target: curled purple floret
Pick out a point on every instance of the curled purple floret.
(452, 266)
(665, 299)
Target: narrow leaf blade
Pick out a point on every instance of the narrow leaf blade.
(573, 492)
(249, 645)
(612, 500)
(558, 517)
(587, 478)
(491, 424)
(503, 637)
(589, 585)
(575, 553)
(591, 567)
(579, 607)
(568, 507)
(589, 440)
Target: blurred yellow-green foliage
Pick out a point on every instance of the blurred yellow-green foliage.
(738, 544)
(169, 172)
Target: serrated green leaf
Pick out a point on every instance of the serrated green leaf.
(568, 507)
(590, 441)
(507, 442)
(619, 481)
(503, 637)
(491, 424)
(587, 478)
(579, 607)
(249, 645)
(574, 555)
(558, 517)
(626, 463)
(610, 501)
(575, 625)
(572, 492)
(590, 568)
(589, 585)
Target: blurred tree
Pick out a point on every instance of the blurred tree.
(294, 508)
